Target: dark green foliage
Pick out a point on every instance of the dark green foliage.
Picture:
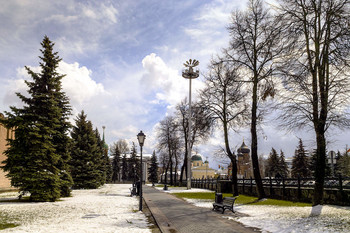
(100, 158)
(300, 162)
(153, 169)
(115, 164)
(85, 162)
(312, 165)
(273, 164)
(283, 165)
(133, 165)
(37, 156)
(124, 168)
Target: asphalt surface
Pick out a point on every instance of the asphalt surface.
(175, 215)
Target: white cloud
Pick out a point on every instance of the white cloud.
(165, 81)
(78, 83)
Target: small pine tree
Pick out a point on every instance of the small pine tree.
(300, 162)
(124, 168)
(100, 160)
(134, 164)
(37, 156)
(273, 164)
(283, 167)
(115, 163)
(153, 169)
(85, 165)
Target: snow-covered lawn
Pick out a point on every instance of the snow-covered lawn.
(107, 209)
(316, 219)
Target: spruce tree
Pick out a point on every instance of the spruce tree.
(37, 156)
(115, 163)
(100, 160)
(85, 165)
(134, 165)
(273, 163)
(300, 162)
(283, 167)
(153, 169)
(124, 168)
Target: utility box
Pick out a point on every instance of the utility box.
(218, 197)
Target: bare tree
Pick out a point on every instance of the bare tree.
(122, 146)
(316, 79)
(255, 44)
(168, 141)
(201, 127)
(225, 101)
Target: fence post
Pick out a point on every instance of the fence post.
(243, 185)
(299, 188)
(271, 189)
(340, 183)
(283, 188)
(251, 185)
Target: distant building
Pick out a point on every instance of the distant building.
(201, 169)
(5, 133)
(243, 162)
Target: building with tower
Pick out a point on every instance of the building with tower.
(201, 169)
(243, 162)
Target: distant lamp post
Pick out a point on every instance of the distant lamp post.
(332, 160)
(189, 73)
(141, 138)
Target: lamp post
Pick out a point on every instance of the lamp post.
(189, 73)
(141, 138)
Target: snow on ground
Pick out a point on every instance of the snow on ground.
(316, 219)
(107, 209)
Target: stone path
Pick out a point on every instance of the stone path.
(175, 215)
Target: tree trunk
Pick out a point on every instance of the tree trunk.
(320, 169)
(254, 146)
(232, 158)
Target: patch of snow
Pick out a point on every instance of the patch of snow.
(321, 218)
(185, 190)
(107, 209)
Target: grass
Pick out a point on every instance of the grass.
(7, 225)
(6, 222)
(242, 199)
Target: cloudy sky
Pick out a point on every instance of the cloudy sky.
(123, 61)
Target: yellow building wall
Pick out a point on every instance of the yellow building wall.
(202, 172)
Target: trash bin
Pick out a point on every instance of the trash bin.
(218, 197)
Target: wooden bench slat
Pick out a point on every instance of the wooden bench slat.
(227, 203)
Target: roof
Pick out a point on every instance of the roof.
(196, 158)
(243, 149)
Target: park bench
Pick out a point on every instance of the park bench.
(227, 203)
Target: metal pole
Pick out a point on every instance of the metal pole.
(141, 178)
(189, 139)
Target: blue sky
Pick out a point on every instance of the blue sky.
(123, 61)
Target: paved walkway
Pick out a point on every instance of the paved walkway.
(175, 215)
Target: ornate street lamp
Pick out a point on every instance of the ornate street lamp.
(189, 73)
(141, 138)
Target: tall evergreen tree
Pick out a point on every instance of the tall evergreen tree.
(124, 168)
(100, 159)
(134, 164)
(85, 165)
(116, 159)
(273, 164)
(283, 167)
(37, 157)
(153, 169)
(300, 162)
